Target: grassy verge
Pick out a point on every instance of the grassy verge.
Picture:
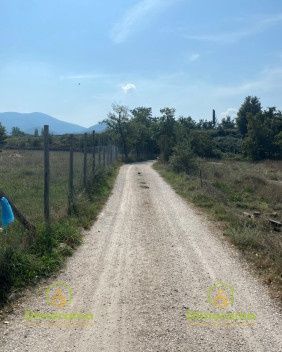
(22, 264)
(227, 191)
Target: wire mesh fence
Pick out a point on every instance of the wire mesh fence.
(23, 177)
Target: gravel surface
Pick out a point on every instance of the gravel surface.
(149, 257)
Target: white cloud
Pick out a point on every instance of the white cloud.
(194, 57)
(232, 112)
(128, 87)
(135, 15)
(259, 24)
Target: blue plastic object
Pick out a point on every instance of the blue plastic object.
(7, 212)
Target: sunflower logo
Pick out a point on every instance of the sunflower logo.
(221, 295)
(59, 294)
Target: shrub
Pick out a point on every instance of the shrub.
(203, 145)
(182, 159)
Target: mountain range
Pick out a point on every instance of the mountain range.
(29, 122)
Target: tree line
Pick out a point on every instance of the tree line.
(19, 140)
(255, 133)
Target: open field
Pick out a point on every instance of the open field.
(229, 191)
(22, 262)
(22, 179)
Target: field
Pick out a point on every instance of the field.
(233, 192)
(22, 180)
(22, 262)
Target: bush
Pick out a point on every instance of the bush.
(182, 159)
(203, 145)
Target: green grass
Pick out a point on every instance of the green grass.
(229, 189)
(22, 179)
(23, 263)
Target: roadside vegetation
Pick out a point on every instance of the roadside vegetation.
(23, 262)
(243, 196)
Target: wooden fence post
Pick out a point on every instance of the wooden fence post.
(111, 153)
(104, 153)
(108, 152)
(100, 153)
(115, 153)
(46, 175)
(93, 154)
(85, 161)
(71, 188)
(201, 178)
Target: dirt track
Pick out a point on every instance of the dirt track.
(147, 259)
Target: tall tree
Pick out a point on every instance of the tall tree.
(117, 122)
(166, 133)
(263, 135)
(142, 124)
(251, 106)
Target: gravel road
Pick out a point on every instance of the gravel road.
(149, 257)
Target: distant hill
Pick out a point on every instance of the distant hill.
(28, 122)
(99, 127)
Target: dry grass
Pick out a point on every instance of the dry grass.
(227, 191)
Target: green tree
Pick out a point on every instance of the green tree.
(262, 141)
(278, 144)
(3, 135)
(183, 128)
(183, 159)
(251, 106)
(166, 136)
(205, 124)
(227, 123)
(16, 132)
(203, 145)
(117, 122)
(142, 130)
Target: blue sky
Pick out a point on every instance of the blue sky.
(72, 59)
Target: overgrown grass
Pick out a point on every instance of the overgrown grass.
(22, 263)
(229, 189)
